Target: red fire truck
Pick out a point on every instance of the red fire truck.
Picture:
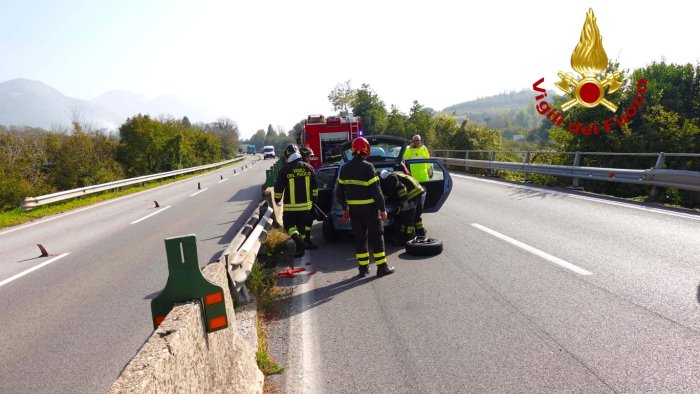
(324, 135)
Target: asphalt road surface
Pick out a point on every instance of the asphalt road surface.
(537, 290)
(70, 322)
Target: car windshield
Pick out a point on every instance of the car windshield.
(382, 150)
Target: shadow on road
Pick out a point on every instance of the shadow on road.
(248, 199)
(341, 267)
(520, 193)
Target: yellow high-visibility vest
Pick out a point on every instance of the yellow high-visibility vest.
(420, 171)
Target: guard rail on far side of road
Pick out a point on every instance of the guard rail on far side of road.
(656, 176)
(33, 202)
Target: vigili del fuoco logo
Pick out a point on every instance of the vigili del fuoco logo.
(591, 87)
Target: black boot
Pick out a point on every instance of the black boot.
(364, 271)
(384, 270)
(309, 245)
(299, 245)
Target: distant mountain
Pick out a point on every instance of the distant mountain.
(25, 102)
(127, 104)
(506, 111)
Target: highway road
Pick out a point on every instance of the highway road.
(70, 322)
(537, 290)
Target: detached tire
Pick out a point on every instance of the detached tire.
(424, 246)
(329, 232)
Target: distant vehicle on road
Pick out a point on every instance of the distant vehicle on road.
(269, 152)
(251, 149)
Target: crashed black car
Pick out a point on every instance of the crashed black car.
(386, 153)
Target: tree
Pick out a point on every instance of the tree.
(150, 146)
(186, 122)
(258, 139)
(396, 123)
(22, 163)
(445, 129)
(270, 131)
(367, 104)
(342, 97)
(227, 132)
(420, 121)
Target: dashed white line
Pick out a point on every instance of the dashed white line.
(223, 180)
(201, 191)
(535, 251)
(587, 198)
(149, 215)
(36, 267)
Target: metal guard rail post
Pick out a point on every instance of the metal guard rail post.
(32, 202)
(679, 179)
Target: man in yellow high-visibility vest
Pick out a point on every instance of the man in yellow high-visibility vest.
(422, 172)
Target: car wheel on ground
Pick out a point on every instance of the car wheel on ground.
(424, 246)
(329, 232)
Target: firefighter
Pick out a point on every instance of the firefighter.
(296, 182)
(409, 193)
(306, 154)
(358, 191)
(422, 172)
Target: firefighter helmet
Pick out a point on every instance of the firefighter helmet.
(289, 150)
(360, 145)
(306, 152)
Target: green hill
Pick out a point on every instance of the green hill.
(508, 112)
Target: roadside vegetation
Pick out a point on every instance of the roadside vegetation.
(262, 283)
(667, 121)
(36, 162)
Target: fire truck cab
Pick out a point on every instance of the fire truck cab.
(325, 135)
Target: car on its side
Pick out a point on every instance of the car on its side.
(386, 153)
(269, 152)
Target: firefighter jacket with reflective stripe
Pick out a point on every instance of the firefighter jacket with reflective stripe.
(296, 181)
(401, 186)
(358, 184)
(419, 171)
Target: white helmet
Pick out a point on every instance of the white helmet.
(293, 156)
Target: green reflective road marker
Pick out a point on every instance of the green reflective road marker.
(186, 282)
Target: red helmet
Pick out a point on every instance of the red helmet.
(360, 145)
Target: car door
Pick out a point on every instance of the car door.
(439, 186)
(325, 179)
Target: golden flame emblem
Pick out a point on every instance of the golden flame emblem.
(590, 60)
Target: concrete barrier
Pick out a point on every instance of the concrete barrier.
(181, 357)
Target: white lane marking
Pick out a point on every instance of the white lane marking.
(36, 267)
(587, 198)
(201, 191)
(308, 341)
(535, 251)
(151, 214)
(223, 180)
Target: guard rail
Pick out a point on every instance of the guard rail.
(656, 176)
(240, 255)
(33, 202)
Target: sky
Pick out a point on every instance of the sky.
(275, 62)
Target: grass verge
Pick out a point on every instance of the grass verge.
(262, 284)
(262, 356)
